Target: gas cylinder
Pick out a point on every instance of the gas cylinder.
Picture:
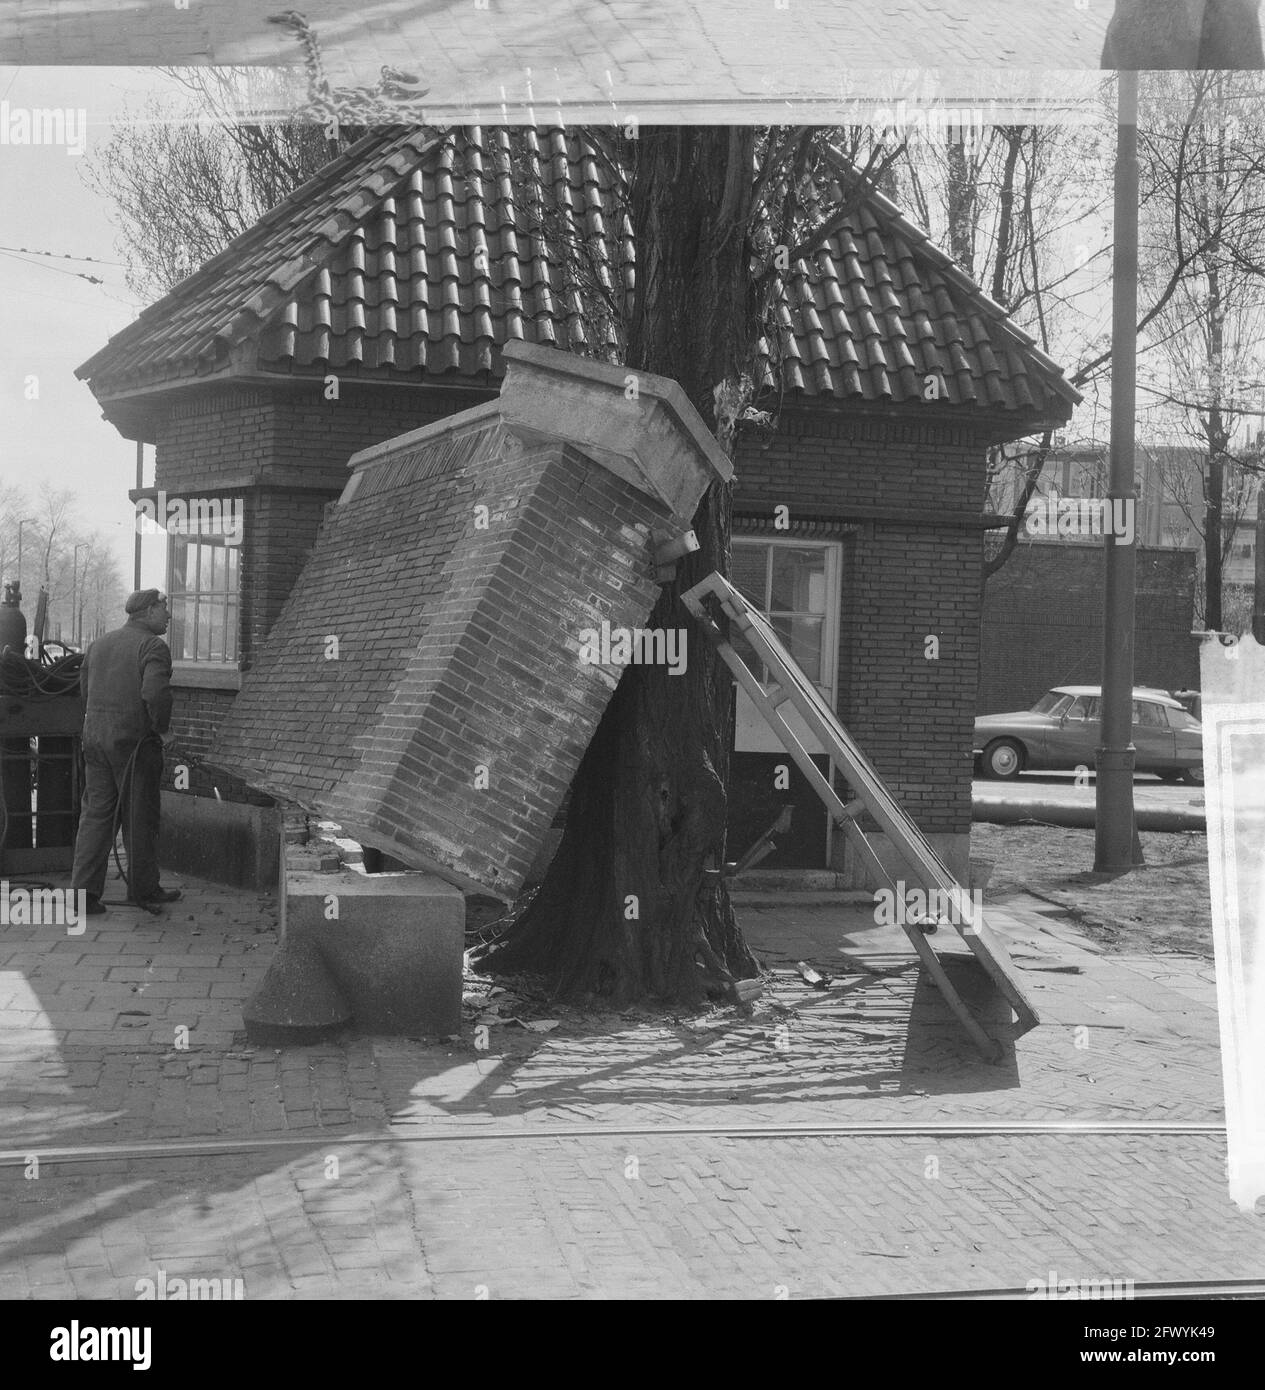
(12, 619)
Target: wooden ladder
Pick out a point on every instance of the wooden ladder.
(924, 865)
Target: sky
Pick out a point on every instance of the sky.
(50, 320)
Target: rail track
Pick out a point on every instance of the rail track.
(404, 1133)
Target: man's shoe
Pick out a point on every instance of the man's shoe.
(157, 898)
(93, 906)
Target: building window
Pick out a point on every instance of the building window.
(204, 588)
(795, 585)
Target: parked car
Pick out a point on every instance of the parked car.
(1061, 731)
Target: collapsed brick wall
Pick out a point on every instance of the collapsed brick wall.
(1042, 622)
(449, 727)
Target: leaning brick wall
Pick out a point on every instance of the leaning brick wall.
(498, 684)
(1042, 622)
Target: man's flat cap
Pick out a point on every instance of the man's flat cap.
(141, 600)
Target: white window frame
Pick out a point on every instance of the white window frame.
(751, 733)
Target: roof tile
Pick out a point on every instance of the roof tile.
(421, 252)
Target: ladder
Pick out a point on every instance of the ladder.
(928, 870)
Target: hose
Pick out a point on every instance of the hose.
(125, 791)
(24, 679)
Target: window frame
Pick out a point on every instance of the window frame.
(831, 618)
(230, 596)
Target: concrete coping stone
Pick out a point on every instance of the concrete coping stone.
(354, 882)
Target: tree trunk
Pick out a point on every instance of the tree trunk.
(627, 908)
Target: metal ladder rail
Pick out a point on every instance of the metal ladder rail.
(844, 818)
(921, 858)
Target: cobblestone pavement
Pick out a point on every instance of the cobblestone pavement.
(534, 53)
(418, 1205)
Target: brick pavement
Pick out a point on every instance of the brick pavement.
(644, 1217)
(662, 57)
(654, 1216)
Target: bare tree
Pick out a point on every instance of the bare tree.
(1205, 175)
(186, 179)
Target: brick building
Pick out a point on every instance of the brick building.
(375, 301)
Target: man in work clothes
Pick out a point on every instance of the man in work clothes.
(126, 683)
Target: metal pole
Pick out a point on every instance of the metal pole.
(136, 525)
(1258, 597)
(1116, 846)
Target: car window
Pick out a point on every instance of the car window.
(1048, 701)
(1180, 719)
(1081, 708)
(1149, 714)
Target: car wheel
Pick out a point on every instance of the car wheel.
(1194, 776)
(1003, 758)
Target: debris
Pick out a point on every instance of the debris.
(744, 991)
(537, 1025)
(811, 976)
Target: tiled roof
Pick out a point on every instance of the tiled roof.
(419, 253)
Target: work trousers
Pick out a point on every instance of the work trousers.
(105, 774)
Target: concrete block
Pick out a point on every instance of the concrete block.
(653, 438)
(297, 1001)
(394, 950)
(224, 841)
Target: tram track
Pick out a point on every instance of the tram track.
(405, 1133)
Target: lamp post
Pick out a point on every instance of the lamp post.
(21, 523)
(1116, 844)
(74, 590)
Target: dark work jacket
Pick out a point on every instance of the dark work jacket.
(126, 681)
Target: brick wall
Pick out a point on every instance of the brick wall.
(196, 718)
(823, 460)
(1042, 622)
